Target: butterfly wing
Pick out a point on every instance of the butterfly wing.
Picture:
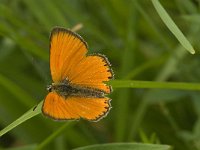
(67, 49)
(59, 108)
(68, 61)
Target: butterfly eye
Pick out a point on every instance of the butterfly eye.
(49, 88)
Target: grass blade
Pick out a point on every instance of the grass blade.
(122, 146)
(154, 84)
(172, 26)
(29, 114)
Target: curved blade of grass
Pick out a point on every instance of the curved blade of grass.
(172, 26)
(122, 146)
(29, 114)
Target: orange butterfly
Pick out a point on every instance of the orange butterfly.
(77, 90)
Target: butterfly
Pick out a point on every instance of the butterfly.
(78, 89)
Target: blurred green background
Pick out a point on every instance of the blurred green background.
(139, 46)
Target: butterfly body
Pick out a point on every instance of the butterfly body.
(78, 89)
(66, 89)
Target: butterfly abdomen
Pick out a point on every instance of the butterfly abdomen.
(68, 90)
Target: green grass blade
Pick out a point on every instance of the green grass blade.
(155, 84)
(122, 146)
(29, 114)
(172, 26)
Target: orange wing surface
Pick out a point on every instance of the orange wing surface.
(57, 107)
(67, 49)
(68, 60)
(92, 72)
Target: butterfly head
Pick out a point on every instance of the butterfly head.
(49, 88)
(52, 87)
(58, 87)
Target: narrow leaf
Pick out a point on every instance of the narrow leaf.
(127, 146)
(29, 114)
(172, 26)
(154, 84)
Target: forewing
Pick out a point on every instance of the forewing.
(68, 61)
(67, 49)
